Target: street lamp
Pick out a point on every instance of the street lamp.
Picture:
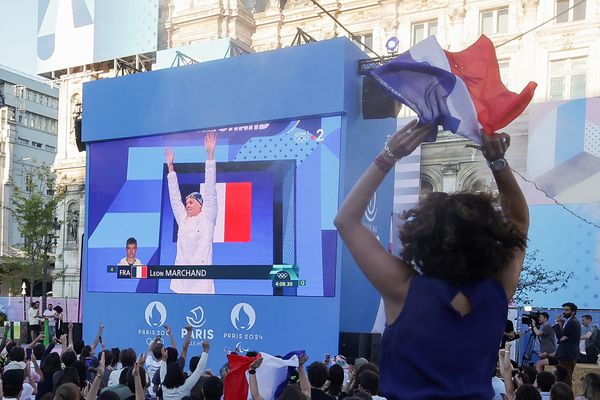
(24, 294)
(50, 240)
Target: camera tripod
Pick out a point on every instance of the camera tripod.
(529, 348)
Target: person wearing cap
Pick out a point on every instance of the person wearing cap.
(196, 219)
(18, 373)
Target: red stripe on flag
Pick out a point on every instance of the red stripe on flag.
(477, 66)
(144, 272)
(238, 211)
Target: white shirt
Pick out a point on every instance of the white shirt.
(185, 389)
(113, 379)
(195, 234)
(50, 314)
(152, 366)
(124, 262)
(27, 392)
(32, 316)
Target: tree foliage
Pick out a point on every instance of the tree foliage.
(536, 278)
(34, 210)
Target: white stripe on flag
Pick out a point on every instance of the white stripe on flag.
(407, 198)
(219, 236)
(408, 167)
(271, 374)
(406, 183)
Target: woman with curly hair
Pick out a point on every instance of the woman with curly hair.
(446, 296)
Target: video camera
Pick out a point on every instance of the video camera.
(529, 318)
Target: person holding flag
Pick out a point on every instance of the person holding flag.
(459, 266)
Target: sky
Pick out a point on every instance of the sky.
(18, 33)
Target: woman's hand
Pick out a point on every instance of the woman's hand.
(101, 365)
(406, 140)
(205, 346)
(494, 146)
(256, 364)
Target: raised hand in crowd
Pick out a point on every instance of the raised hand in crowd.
(304, 383)
(186, 342)
(205, 346)
(36, 367)
(95, 387)
(140, 393)
(255, 364)
(506, 370)
(253, 383)
(70, 326)
(64, 343)
(169, 331)
(98, 337)
(38, 338)
(153, 343)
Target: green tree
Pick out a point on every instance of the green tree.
(536, 277)
(34, 210)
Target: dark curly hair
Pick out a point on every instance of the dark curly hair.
(459, 237)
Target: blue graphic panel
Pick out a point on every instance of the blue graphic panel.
(570, 126)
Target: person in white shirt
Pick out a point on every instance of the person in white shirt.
(174, 384)
(131, 247)
(50, 315)
(152, 363)
(196, 220)
(33, 315)
(128, 359)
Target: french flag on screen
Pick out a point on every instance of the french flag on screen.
(234, 219)
(139, 271)
(461, 91)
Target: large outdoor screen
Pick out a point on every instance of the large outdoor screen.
(163, 217)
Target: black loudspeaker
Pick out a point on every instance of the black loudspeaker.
(77, 124)
(77, 331)
(376, 103)
(354, 345)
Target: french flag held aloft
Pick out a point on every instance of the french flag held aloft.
(460, 91)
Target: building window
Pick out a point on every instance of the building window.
(37, 144)
(494, 22)
(567, 78)
(11, 114)
(577, 13)
(23, 141)
(423, 30)
(366, 38)
(29, 182)
(50, 148)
